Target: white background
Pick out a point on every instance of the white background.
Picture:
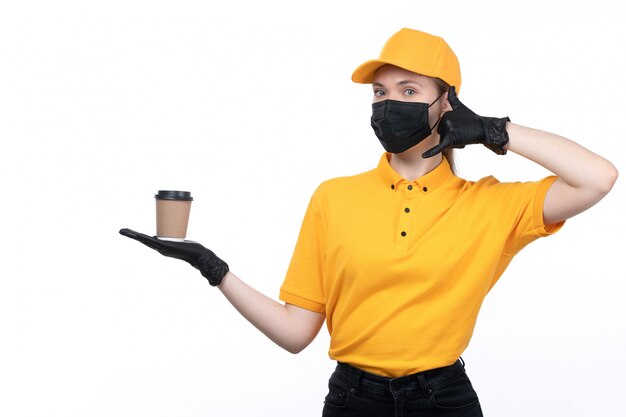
(250, 106)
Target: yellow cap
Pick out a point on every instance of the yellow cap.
(415, 51)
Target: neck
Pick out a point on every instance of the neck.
(410, 163)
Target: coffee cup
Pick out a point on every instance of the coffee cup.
(172, 214)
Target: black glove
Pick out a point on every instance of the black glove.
(461, 126)
(210, 266)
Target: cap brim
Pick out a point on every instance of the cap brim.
(364, 74)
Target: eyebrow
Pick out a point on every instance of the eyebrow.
(403, 82)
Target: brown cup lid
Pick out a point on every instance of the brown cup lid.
(173, 195)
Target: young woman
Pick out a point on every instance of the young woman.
(398, 259)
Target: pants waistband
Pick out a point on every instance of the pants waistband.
(426, 380)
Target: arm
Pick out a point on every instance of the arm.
(291, 327)
(584, 177)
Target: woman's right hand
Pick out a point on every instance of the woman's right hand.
(210, 266)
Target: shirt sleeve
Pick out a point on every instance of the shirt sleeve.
(526, 200)
(303, 284)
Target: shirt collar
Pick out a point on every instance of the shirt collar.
(431, 180)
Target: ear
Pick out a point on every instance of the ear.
(445, 104)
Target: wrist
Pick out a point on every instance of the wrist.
(213, 269)
(496, 135)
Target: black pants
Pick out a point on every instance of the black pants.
(441, 392)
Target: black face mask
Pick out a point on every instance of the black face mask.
(400, 125)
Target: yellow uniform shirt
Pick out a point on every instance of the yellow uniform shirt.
(401, 268)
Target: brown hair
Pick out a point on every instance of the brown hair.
(443, 87)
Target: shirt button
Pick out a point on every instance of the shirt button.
(403, 233)
(425, 189)
(406, 210)
(410, 187)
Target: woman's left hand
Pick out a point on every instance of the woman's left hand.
(210, 266)
(461, 126)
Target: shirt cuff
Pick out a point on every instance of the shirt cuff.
(302, 302)
(540, 197)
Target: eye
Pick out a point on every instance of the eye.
(410, 92)
(379, 93)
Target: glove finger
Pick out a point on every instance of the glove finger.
(133, 234)
(453, 99)
(149, 241)
(434, 151)
(128, 233)
(136, 235)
